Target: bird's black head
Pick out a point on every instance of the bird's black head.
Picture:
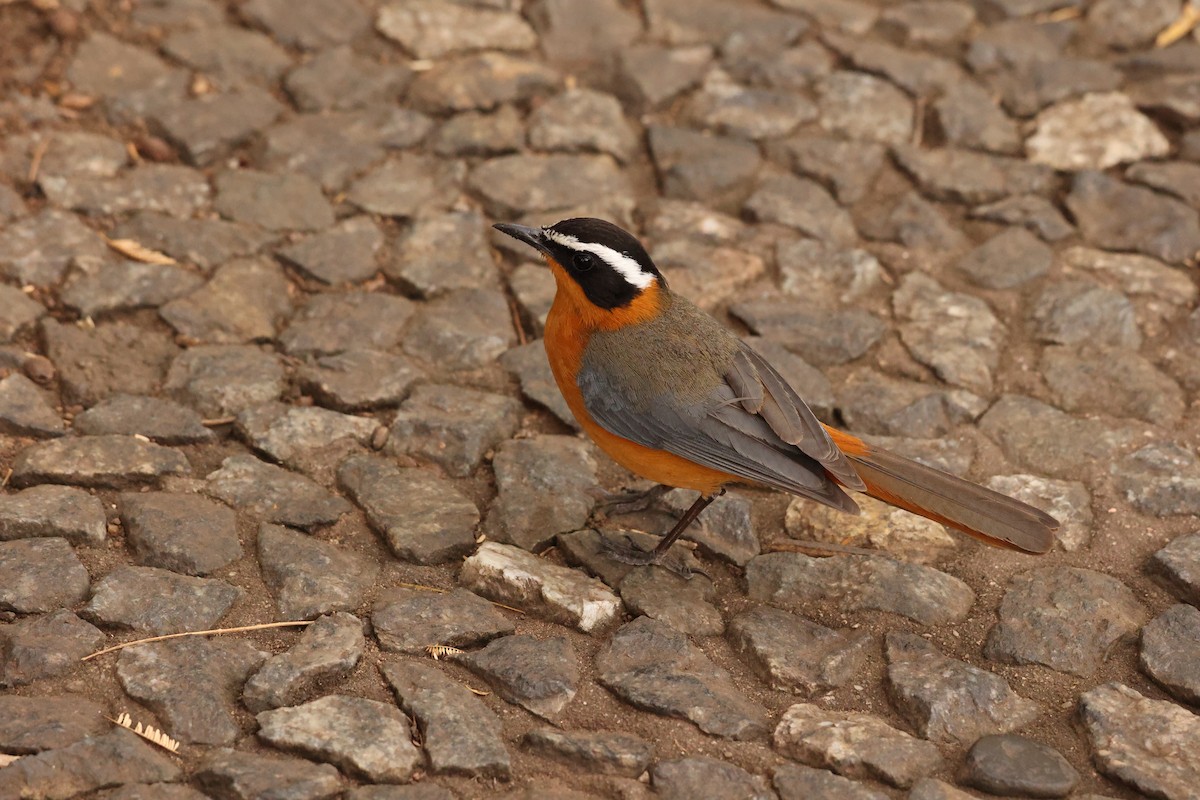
(609, 264)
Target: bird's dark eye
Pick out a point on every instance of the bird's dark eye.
(584, 261)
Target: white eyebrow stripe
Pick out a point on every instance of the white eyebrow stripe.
(625, 266)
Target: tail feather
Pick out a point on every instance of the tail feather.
(975, 510)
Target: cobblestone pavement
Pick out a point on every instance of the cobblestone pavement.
(966, 228)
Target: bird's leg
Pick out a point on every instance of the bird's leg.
(631, 502)
(638, 557)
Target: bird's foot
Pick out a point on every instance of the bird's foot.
(675, 559)
(629, 502)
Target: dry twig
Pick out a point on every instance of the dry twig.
(147, 732)
(213, 632)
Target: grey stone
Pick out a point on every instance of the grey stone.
(933, 789)
(583, 120)
(929, 22)
(407, 185)
(287, 201)
(851, 16)
(725, 528)
(125, 286)
(452, 426)
(1113, 381)
(651, 75)
(919, 225)
(1009, 259)
(1009, 44)
(1129, 25)
(1174, 177)
(24, 411)
(465, 329)
(1178, 566)
(684, 604)
(706, 274)
(17, 312)
(39, 575)
(37, 250)
(804, 205)
(181, 532)
(1069, 502)
(221, 381)
(311, 25)
(810, 267)
(206, 243)
(1094, 132)
(431, 29)
(475, 133)
(422, 516)
(130, 79)
(917, 72)
(327, 651)
(947, 700)
(82, 153)
(44, 646)
(585, 31)
(1170, 651)
(1142, 742)
(209, 127)
(855, 105)
(921, 593)
(529, 365)
(730, 108)
(797, 655)
(308, 576)
(461, 735)
(333, 147)
(232, 775)
(93, 763)
(365, 738)
(111, 462)
(346, 253)
(604, 752)
(332, 323)
(1006, 764)
(716, 170)
(35, 724)
(155, 791)
(137, 415)
(873, 403)
(854, 744)
(848, 167)
(654, 667)
(190, 684)
(954, 334)
(11, 204)
(517, 184)
(1174, 94)
(168, 188)
(481, 81)
(339, 79)
(94, 362)
(682, 778)
(1117, 216)
(1033, 211)
(443, 253)
(244, 301)
(711, 21)
(879, 526)
(515, 577)
(410, 620)
(1065, 618)
(1160, 479)
(545, 485)
(296, 435)
(54, 511)
(157, 601)
(533, 287)
(1040, 438)
(1031, 87)
(796, 782)
(358, 380)
(968, 176)
(540, 675)
(820, 335)
(228, 56)
(274, 494)
(591, 549)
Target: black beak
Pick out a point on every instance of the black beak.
(534, 237)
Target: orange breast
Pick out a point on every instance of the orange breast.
(570, 324)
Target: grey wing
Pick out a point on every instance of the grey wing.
(719, 433)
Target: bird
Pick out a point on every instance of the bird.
(672, 395)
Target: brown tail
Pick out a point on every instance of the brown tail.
(975, 510)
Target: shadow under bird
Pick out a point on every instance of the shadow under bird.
(672, 395)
